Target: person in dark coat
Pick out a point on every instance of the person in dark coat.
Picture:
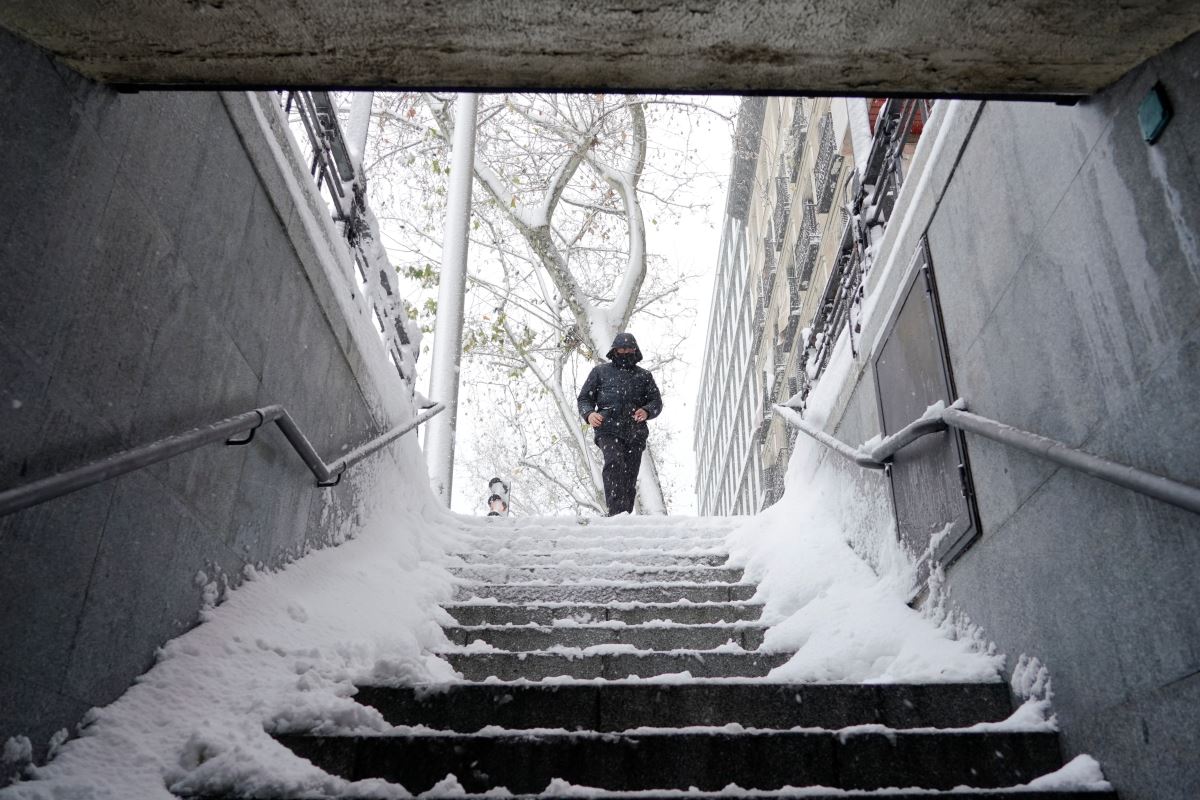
(616, 400)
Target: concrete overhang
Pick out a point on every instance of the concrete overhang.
(928, 47)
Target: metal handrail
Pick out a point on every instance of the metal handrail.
(792, 417)
(22, 497)
(1159, 487)
(1171, 491)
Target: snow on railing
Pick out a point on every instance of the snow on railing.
(318, 137)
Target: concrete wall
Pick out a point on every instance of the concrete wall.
(1067, 259)
(1071, 296)
(155, 274)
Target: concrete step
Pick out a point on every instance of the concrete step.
(837, 794)
(613, 664)
(588, 557)
(643, 637)
(706, 760)
(620, 570)
(611, 544)
(467, 707)
(630, 613)
(593, 593)
(786, 794)
(600, 527)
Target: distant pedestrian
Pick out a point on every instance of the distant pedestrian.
(616, 400)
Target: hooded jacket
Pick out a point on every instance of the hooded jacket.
(616, 389)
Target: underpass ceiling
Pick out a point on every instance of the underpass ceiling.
(1002, 47)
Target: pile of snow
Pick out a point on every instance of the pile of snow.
(280, 654)
(844, 620)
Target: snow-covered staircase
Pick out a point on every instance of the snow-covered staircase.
(623, 656)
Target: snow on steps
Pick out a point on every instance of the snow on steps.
(497, 613)
(621, 656)
(601, 556)
(709, 759)
(598, 591)
(559, 790)
(594, 662)
(559, 573)
(689, 544)
(614, 527)
(625, 705)
(748, 636)
(809, 793)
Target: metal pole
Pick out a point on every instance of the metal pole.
(447, 334)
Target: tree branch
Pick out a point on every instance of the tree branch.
(582, 502)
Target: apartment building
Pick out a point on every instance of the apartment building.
(812, 183)
(728, 479)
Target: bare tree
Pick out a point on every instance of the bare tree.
(568, 175)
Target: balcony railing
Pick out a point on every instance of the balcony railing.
(781, 362)
(788, 335)
(797, 138)
(899, 124)
(767, 277)
(783, 206)
(760, 319)
(828, 165)
(808, 242)
(842, 293)
(772, 477)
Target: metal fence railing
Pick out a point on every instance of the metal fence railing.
(314, 119)
(938, 419)
(135, 458)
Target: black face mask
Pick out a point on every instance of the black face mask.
(624, 360)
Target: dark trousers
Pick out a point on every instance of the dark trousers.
(622, 460)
